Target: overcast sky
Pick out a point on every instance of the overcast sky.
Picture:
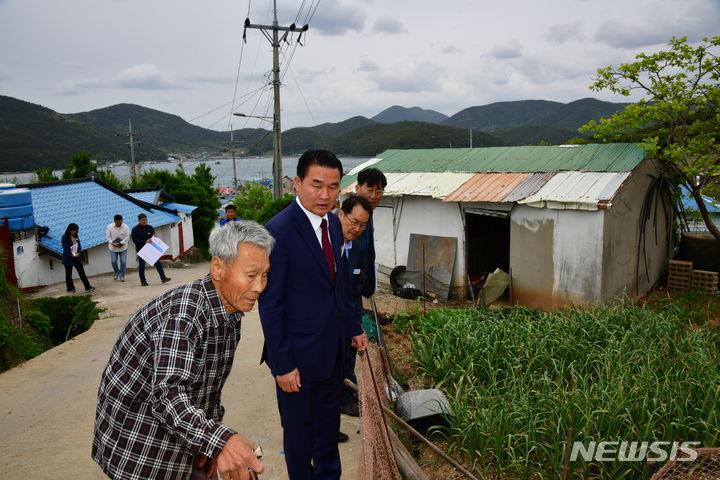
(358, 57)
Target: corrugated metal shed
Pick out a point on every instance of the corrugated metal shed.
(577, 191)
(487, 187)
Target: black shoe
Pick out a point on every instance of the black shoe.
(351, 409)
(144, 284)
(90, 289)
(342, 438)
(165, 280)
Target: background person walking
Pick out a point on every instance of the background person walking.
(118, 237)
(141, 234)
(71, 258)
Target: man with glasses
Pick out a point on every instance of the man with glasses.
(371, 184)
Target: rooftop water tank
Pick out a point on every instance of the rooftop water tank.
(16, 205)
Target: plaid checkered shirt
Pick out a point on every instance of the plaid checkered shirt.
(159, 399)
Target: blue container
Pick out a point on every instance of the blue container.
(16, 205)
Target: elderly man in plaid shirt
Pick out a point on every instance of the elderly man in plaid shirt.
(158, 410)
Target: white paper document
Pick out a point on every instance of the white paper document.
(152, 251)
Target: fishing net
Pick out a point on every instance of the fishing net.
(377, 460)
(705, 467)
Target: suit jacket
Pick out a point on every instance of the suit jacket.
(362, 257)
(305, 317)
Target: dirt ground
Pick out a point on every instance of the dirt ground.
(47, 405)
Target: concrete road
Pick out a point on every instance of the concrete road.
(47, 405)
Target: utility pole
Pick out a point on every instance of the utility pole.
(134, 167)
(471, 138)
(232, 147)
(275, 43)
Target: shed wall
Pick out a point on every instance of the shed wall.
(632, 264)
(555, 256)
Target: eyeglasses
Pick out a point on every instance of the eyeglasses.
(354, 223)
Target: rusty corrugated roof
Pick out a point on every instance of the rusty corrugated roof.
(487, 187)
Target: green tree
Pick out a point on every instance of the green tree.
(273, 207)
(45, 175)
(251, 199)
(79, 166)
(196, 189)
(678, 117)
(111, 179)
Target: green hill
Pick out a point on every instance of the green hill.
(32, 137)
(536, 135)
(164, 131)
(396, 113)
(374, 139)
(505, 115)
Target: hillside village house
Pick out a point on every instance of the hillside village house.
(572, 224)
(91, 204)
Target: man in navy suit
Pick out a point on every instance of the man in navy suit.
(371, 184)
(308, 319)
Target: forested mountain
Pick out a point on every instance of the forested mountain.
(374, 139)
(505, 115)
(397, 113)
(32, 136)
(164, 131)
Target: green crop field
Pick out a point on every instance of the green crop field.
(519, 381)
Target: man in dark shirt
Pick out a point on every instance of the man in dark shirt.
(141, 234)
(158, 409)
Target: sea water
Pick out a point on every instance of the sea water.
(248, 168)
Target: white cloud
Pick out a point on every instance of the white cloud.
(145, 77)
(694, 19)
(4, 72)
(451, 49)
(337, 18)
(505, 51)
(389, 26)
(422, 78)
(367, 65)
(559, 34)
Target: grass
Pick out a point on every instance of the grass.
(518, 380)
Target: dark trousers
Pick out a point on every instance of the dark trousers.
(348, 394)
(311, 422)
(81, 273)
(141, 269)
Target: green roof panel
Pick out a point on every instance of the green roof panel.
(614, 157)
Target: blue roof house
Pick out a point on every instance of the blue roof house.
(91, 204)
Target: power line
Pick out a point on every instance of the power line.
(275, 41)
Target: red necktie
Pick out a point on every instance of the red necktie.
(327, 249)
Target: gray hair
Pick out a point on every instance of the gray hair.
(224, 240)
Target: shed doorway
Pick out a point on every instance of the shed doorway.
(488, 244)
